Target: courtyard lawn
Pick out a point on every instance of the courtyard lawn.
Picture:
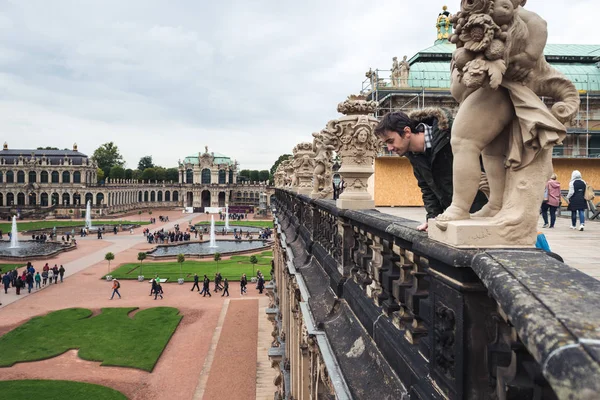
(232, 268)
(8, 267)
(112, 337)
(57, 390)
(258, 224)
(32, 226)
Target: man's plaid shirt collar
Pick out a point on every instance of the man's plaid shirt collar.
(426, 129)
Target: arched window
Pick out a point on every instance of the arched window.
(76, 177)
(44, 199)
(231, 176)
(140, 196)
(206, 176)
(10, 199)
(89, 197)
(1, 200)
(66, 177)
(44, 177)
(189, 176)
(222, 176)
(54, 176)
(146, 196)
(160, 196)
(99, 199)
(252, 195)
(175, 196)
(10, 178)
(66, 199)
(152, 196)
(1, 177)
(76, 199)
(21, 199)
(167, 196)
(32, 176)
(32, 199)
(55, 199)
(238, 195)
(20, 177)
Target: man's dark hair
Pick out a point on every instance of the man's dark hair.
(395, 122)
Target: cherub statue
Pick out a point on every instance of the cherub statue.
(395, 72)
(498, 74)
(323, 149)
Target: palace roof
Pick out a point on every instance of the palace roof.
(11, 156)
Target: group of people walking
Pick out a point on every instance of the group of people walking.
(578, 196)
(30, 276)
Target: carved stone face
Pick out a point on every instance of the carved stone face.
(503, 12)
(362, 136)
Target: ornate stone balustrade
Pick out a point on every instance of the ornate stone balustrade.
(365, 306)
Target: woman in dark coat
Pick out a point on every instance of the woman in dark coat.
(577, 201)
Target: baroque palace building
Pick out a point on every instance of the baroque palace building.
(424, 81)
(41, 183)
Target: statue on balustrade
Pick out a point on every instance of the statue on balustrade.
(498, 75)
(395, 72)
(322, 175)
(404, 71)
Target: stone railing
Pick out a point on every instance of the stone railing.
(365, 306)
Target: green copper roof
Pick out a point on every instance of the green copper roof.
(436, 75)
(219, 159)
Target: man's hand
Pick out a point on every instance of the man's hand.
(423, 227)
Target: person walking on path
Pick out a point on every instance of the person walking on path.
(206, 287)
(61, 272)
(225, 287)
(6, 279)
(243, 284)
(551, 201)
(55, 270)
(50, 276)
(38, 280)
(196, 279)
(44, 277)
(115, 287)
(29, 280)
(261, 284)
(577, 201)
(158, 290)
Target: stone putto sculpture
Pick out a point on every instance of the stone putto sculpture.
(404, 71)
(498, 73)
(354, 142)
(322, 175)
(395, 72)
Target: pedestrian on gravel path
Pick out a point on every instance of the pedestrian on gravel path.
(196, 279)
(61, 272)
(225, 287)
(206, 287)
(29, 280)
(158, 291)
(115, 287)
(44, 277)
(38, 279)
(6, 279)
(243, 284)
(50, 276)
(55, 270)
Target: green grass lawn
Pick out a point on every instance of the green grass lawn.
(259, 224)
(111, 337)
(57, 390)
(7, 267)
(31, 226)
(232, 268)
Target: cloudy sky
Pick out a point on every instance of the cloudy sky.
(249, 79)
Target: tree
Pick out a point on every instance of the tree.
(245, 173)
(254, 175)
(281, 159)
(100, 175)
(253, 261)
(141, 258)
(136, 174)
(116, 172)
(47, 148)
(180, 260)
(160, 174)
(172, 174)
(149, 174)
(145, 162)
(217, 257)
(109, 257)
(107, 156)
(263, 175)
(128, 173)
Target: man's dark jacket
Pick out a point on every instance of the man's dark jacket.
(433, 168)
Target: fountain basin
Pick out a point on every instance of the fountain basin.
(30, 250)
(63, 230)
(203, 249)
(219, 228)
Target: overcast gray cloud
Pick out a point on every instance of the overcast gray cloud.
(250, 79)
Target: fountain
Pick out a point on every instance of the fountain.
(227, 217)
(88, 216)
(14, 234)
(213, 239)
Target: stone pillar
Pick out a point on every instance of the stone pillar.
(304, 166)
(354, 141)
